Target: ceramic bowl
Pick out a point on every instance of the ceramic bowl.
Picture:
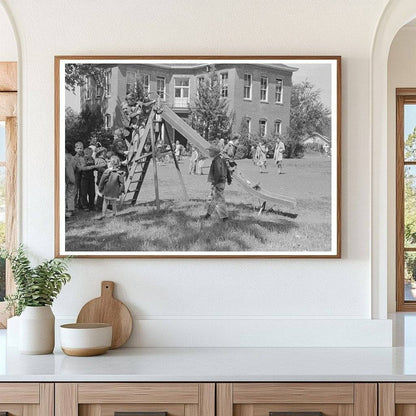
(84, 340)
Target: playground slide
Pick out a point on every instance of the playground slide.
(196, 140)
(263, 195)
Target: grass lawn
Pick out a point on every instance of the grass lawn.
(178, 227)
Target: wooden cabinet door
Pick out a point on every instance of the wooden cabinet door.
(397, 399)
(27, 399)
(152, 399)
(297, 399)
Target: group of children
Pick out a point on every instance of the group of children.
(95, 176)
(93, 179)
(259, 155)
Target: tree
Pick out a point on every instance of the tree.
(410, 146)
(75, 75)
(410, 222)
(307, 115)
(410, 190)
(245, 142)
(210, 117)
(410, 205)
(80, 127)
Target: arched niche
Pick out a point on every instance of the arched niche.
(396, 14)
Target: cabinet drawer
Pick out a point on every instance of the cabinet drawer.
(21, 399)
(19, 393)
(296, 399)
(138, 393)
(107, 399)
(397, 399)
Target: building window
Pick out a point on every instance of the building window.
(107, 83)
(99, 92)
(279, 91)
(131, 82)
(406, 200)
(88, 88)
(181, 92)
(107, 121)
(277, 128)
(146, 83)
(2, 207)
(264, 85)
(161, 87)
(248, 121)
(200, 83)
(263, 128)
(224, 84)
(8, 213)
(8, 189)
(247, 86)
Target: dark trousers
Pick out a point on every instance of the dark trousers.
(87, 193)
(77, 190)
(99, 204)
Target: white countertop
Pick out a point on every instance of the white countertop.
(213, 364)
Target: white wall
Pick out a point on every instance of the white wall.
(8, 47)
(235, 302)
(401, 74)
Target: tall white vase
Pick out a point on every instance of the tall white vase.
(13, 332)
(37, 330)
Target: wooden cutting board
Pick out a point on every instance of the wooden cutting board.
(107, 309)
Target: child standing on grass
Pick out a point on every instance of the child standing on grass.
(78, 161)
(193, 160)
(261, 157)
(278, 154)
(101, 163)
(69, 181)
(111, 186)
(218, 175)
(87, 180)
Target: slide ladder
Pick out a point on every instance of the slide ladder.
(138, 161)
(255, 190)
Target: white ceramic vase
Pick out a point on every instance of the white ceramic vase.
(13, 331)
(37, 330)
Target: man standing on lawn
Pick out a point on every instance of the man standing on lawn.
(218, 175)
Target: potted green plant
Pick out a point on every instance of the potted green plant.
(36, 289)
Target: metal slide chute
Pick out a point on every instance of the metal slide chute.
(170, 117)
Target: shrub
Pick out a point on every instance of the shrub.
(35, 286)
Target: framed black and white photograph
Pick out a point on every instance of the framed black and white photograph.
(197, 156)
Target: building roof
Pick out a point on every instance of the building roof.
(319, 136)
(197, 65)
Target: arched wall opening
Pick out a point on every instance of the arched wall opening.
(397, 14)
(401, 73)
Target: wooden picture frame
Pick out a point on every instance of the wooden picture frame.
(293, 215)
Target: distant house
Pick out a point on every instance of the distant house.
(258, 95)
(317, 139)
